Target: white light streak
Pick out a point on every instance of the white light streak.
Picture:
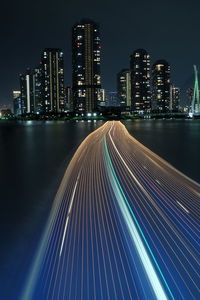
(150, 271)
(68, 215)
(183, 207)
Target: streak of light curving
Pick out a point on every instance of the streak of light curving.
(124, 225)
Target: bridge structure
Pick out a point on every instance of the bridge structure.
(195, 105)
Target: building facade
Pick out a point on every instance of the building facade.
(31, 83)
(112, 99)
(174, 98)
(69, 102)
(53, 93)
(140, 81)
(189, 94)
(26, 89)
(37, 90)
(17, 108)
(86, 59)
(161, 86)
(124, 87)
(102, 97)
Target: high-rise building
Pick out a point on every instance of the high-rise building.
(112, 99)
(174, 98)
(69, 102)
(37, 90)
(86, 78)
(26, 87)
(161, 86)
(31, 91)
(140, 81)
(190, 93)
(17, 103)
(53, 94)
(124, 87)
(102, 97)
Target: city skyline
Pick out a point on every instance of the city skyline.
(127, 35)
(140, 89)
(99, 134)
(137, 90)
(182, 102)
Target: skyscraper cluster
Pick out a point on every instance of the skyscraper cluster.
(42, 90)
(142, 88)
(147, 89)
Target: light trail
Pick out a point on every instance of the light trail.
(160, 212)
(119, 230)
(185, 209)
(158, 181)
(122, 201)
(68, 215)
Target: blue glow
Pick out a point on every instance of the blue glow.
(127, 213)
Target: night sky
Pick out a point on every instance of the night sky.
(166, 29)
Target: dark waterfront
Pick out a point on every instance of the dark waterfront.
(34, 156)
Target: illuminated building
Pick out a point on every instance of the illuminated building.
(37, 90)
(17, 103)
(190, 93)
(26, 87)
(16, 94)
(69, 102)
(174, 98)
(124, 87)
(161, 86)
(53, 80)
(112, 99)
(140, 81)
(86, 78)
(31, 91)
(102, 97)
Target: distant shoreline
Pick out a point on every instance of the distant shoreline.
(97, 118)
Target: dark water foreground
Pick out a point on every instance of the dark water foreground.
(33, 158)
